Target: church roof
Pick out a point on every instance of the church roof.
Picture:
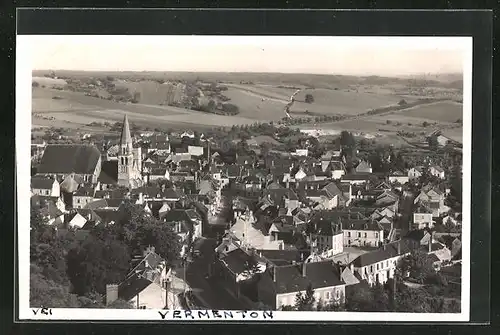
(69, 158)
(125, 137)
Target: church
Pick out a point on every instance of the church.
(74, 164)
(129, 159)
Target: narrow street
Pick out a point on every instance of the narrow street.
(405, 221)
(208, 291)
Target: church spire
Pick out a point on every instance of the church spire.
(125, 137)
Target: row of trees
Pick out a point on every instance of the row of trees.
(67, 271)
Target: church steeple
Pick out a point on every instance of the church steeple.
(125, 138)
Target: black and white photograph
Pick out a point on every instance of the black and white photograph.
(313, 177)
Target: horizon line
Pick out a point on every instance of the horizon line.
(260, 72)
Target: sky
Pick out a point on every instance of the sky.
(284, 54)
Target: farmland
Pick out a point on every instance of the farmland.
(446, 111)
(77, 99)
(76, 109)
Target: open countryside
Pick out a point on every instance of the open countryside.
(77, 99)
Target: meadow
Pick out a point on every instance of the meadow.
(259, 97)
(445, 111)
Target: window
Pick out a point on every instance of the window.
(77, 200)
(359, 234)
(142, 307)
(371, 268)
(349, 234)
(46, 192)
(366, 235)
(327, 295)
(377, 266)
(376, 235)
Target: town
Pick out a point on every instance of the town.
(249, 217)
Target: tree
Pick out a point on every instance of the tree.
(309, 98)
(138, 229)
(136, 98)
(97, 262)
(367, 299)
(305, 302)
(48, 293)
(433, 142)
(417, 266)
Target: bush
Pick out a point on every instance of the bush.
(230, 109)
(402, 102)
(35, 84)
(309, 98)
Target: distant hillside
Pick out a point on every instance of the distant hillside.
(297, 79)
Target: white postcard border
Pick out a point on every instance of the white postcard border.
(23, 140)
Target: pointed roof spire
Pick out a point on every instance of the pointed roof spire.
(125, 137)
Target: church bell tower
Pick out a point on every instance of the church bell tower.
(125, 156)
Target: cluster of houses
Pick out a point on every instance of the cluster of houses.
(297, 221)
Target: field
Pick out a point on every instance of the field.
(264, 100)
(45, 81)
(76, 110)
(446, 111)
(346, 102)
(151, 92)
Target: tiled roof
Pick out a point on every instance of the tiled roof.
(69, 184)
(109, 173)
(379, 255)
(237, 261)
(101, 203)
(327, 227)
(282, 257)
(41, 183)
(357, 176)
(318, 274)
(85, 191)
(69, 158)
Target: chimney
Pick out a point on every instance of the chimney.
(304, 272)
(399, 248)
(111, 293)
(274, 273)
(352, 267)
(430, 242)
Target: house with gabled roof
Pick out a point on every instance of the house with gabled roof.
(379, 265)
(45, 186)
(437, 171)
(362, 232)
(364, 167)
(327, 237)
(145, 286)
(398, 177)
(279, 285)
(388, 199)
(83, 196)
(422, 217)
(415, 172)
(52, 213)
(357, 178)
(187, 223)
(236, 266)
